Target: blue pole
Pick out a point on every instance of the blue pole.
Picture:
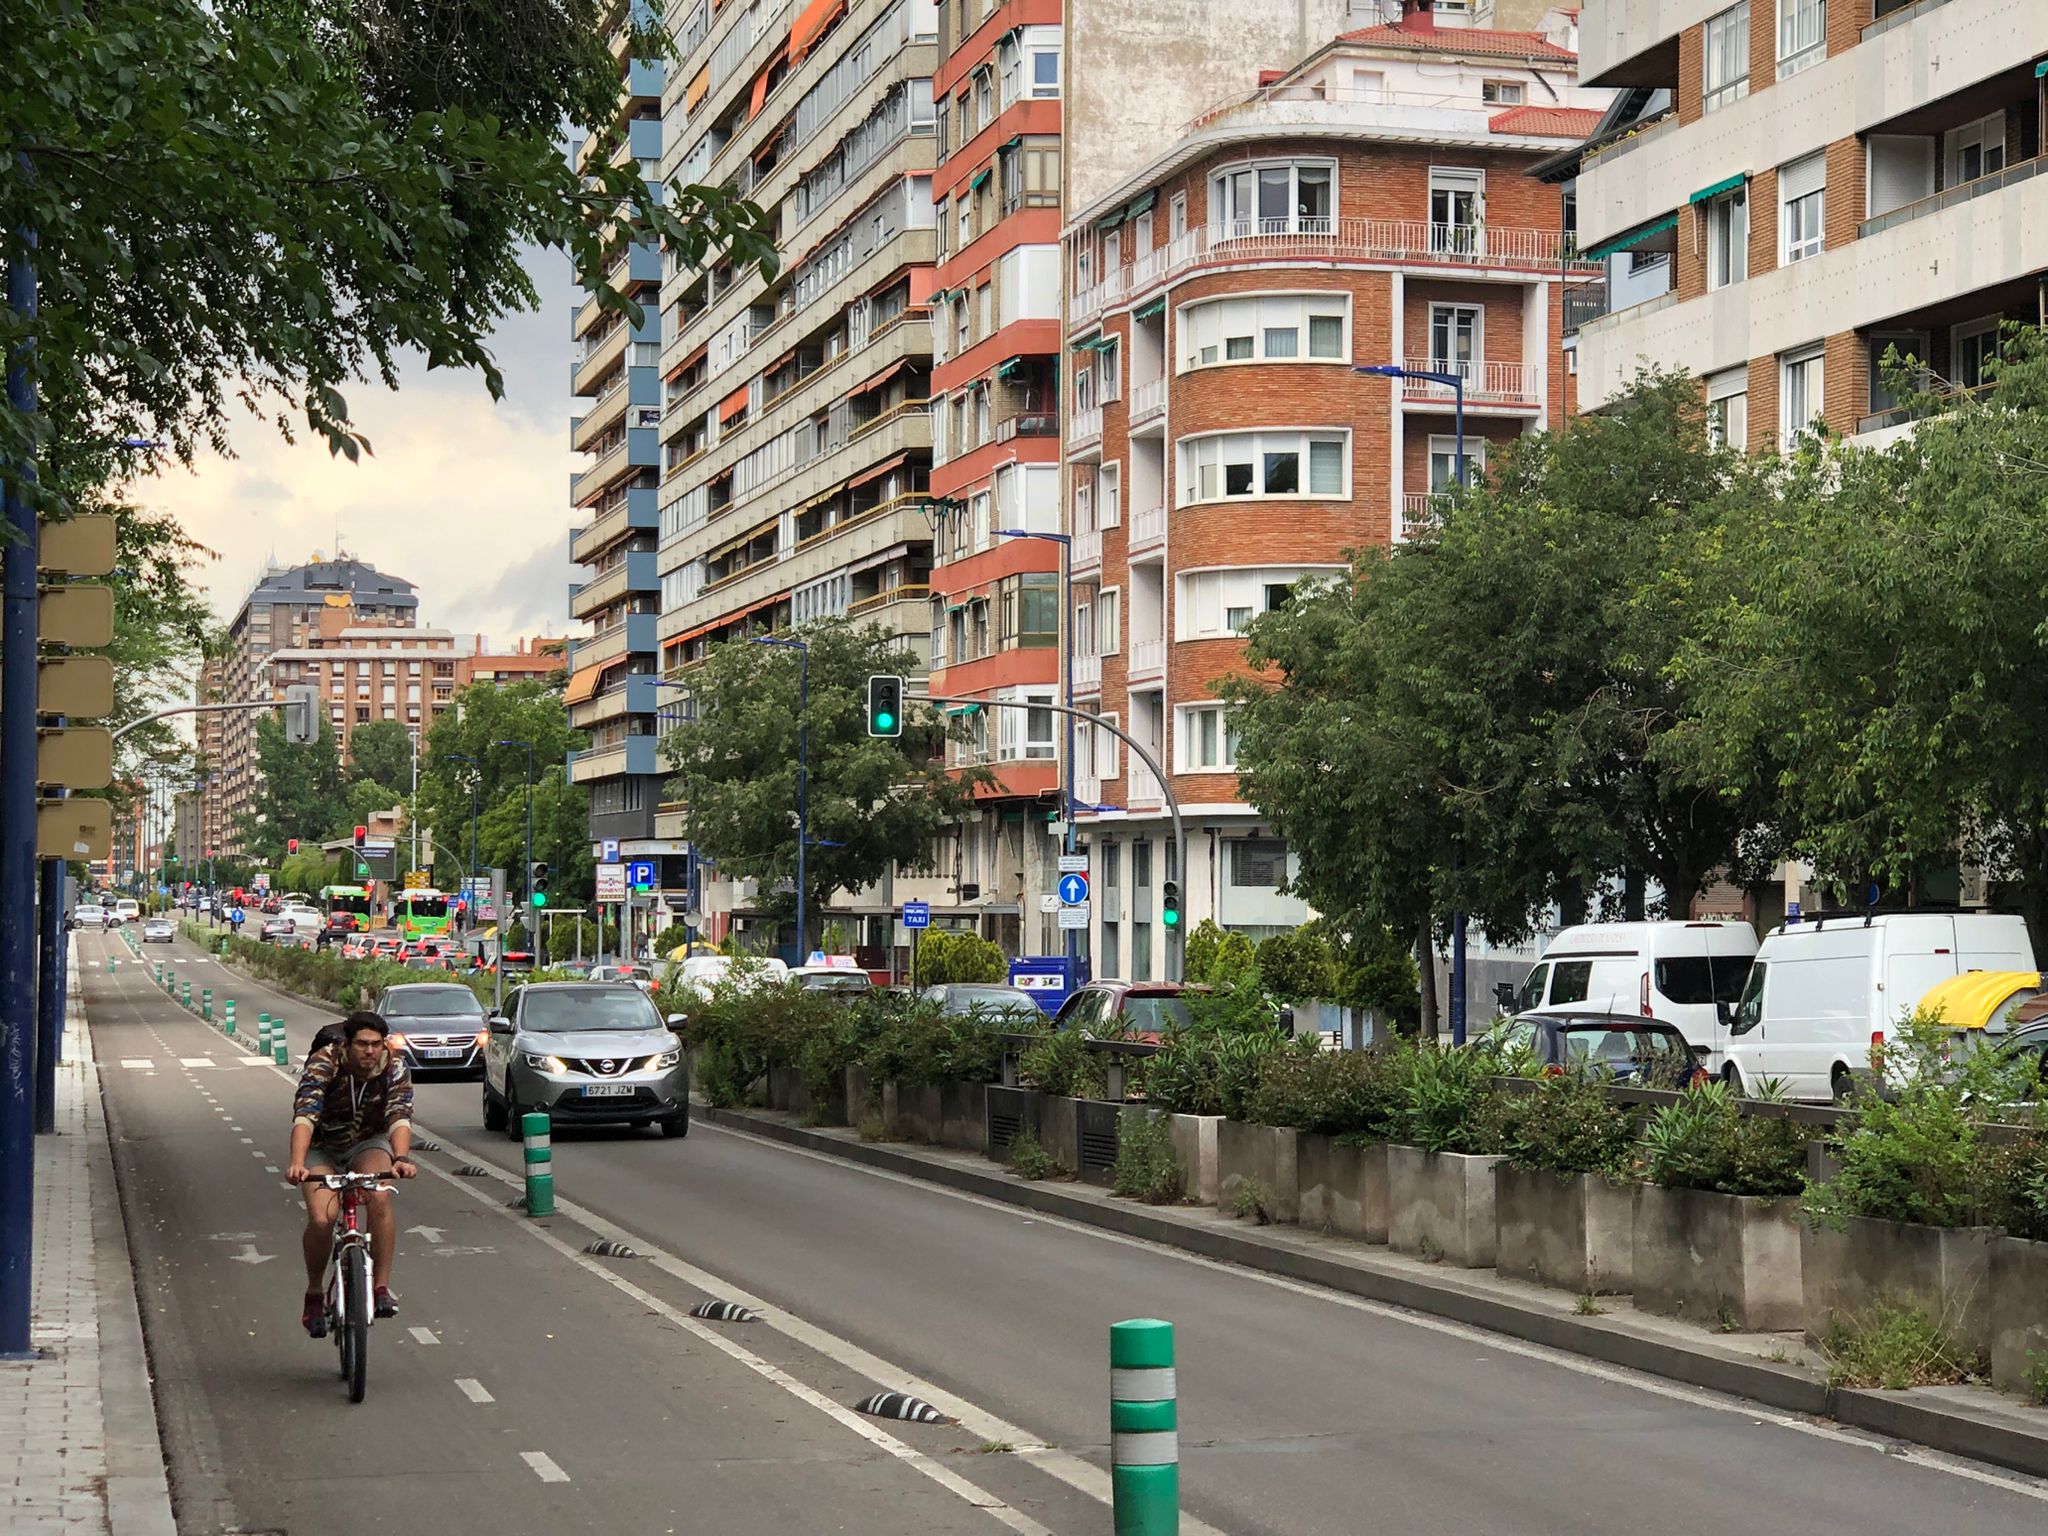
(1073, 935)
(803, 787)
(49, 994)
(18, 854)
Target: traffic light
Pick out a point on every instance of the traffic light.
(1169, 904)
(362, 838)
(885, 705)
(301, 715)
(537, 883)
(291, 845)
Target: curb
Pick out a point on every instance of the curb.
(1926, 1416)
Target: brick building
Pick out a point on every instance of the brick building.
(369, 673)
(536, 658)
(1823, 180)
(1369, 206)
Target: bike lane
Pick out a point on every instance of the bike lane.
(517, 1390)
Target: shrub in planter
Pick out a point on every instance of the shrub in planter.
(1146, 1168)
(1061, 1064)
(1333, 1093)
(1446, 1101)
(1562, 1216)
(1566, 1124)
(1705, 1142)
(1181, 1076)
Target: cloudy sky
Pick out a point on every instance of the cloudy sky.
(465, 496)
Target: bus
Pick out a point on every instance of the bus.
(419, 912)
(352, 900)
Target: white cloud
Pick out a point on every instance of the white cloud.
(463, 496)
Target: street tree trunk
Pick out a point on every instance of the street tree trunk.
(1425, 978)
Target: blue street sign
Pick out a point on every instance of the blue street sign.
(608, 850)
(1073, 889)
(917, 914)
(640, 874)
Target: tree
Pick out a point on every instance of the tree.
(561, 836)
(380, 752)
(955, 955)
(268, 201)
(299, 791)
(484, 720)
(874, 802)
(1294, 967)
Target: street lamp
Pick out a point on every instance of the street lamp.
(526, 917)
(1071, 936)
(803, 770)
(1456, 380)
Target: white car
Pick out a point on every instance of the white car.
(159, 930)
(90, 917)
(1681, 972)
(127, 910)
(304, 919)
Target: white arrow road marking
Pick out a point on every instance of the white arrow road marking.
(229, 1237)
(473, 1389)
(138, 1063)
(456, 1253)
(431, 1234)
(544, 1466)
(249, 1255)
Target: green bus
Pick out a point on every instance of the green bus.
(419, 912)
(353, 900)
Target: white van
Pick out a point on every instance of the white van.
(703, 973)
(1822, 993)
(127, 910)
(1680, 972)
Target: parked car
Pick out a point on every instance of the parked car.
(1825, 993)
(1142, 1009)
(89, 915)
(992, 1001)
(639, 975)
(1680, 972)
(1646, 1052)
(703, 973)
(585, 1052)
(841, 980)
(437, 1025)
(159, 930)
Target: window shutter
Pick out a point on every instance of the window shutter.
(1802, 178)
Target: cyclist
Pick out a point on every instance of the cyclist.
(353, 1112)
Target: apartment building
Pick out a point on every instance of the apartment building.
(1823, 180)
(1368, 206)
(368, 673)
(537, 658)
(284, 609)
(610, 689)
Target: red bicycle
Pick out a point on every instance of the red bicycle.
(351, 1303)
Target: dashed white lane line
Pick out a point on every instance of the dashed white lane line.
(138, 1063)
(473, 1389)
(195, 1061)
(423, 1335)
(544, 1466)
(248, 1141)
(270, 1167)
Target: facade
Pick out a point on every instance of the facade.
(611, 665)
(1371, 206)
(1826, 180)
(284, 609)
(536, 658)
(369, 673)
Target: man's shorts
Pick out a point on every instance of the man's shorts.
(320, 1161)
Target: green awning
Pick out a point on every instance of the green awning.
(1728, 185)
(980, 177)
(1098, 344)
(1009, 367)
(1138, 205)
(2041, 69)
(1608, 248)
(1147, 311)
(1104, 226)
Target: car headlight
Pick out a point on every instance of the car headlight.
(662, 1062)
(395, 1040)
(547, 1063)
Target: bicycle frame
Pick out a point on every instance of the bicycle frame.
(349, 1232)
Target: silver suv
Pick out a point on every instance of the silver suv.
(585, 1053)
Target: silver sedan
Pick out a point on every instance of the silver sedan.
(585, 1053)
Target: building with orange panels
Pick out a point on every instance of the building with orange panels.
(1372, 206)
(536, 658)
(1826, 180)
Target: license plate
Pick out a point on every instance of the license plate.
(443, 1053)
(608, 1091)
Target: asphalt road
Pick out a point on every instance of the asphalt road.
(1301, 1412)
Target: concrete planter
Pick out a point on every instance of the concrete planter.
(912, 1113)
(1268, 1155)
(1010, 1110)
(786, 1090)
(1098, 1132)
(1441, 1203)
(2019, 1310)
(1194, 1145)
(1717, 1259)
(1344, 1187)
(861, 1098)
(1568, 1230)
(1059, 1130)
(1946, 1270)
(963, 1116)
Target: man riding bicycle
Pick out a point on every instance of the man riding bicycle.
(352, 1112)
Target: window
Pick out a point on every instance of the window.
(1265, 328)
(1258, 863)
(1728, 409)
(984, 95)
(1233, 465)
(1109, 495)
(1045, 72)
(1977, 149)
(1912, 349)
(1799, 394)
(1801, 190)
(1976, 344)
(1108, 606)
(1111, 378)
(1208, 739)
(1177, 216)
(1457, 204)
(1031, 611)
(1501, 93)
(1802, 34)
(1443, 461)
(1025, 733)
(1084, 389)
(1728, 238)
(1455, 338)
(1570, 980)
(1725, 68)
(1274, 198)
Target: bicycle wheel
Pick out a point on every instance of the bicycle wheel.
(334, 1329)
(356, 1326)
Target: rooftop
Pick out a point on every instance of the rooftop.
(1413, 37)
(317, 579)
(1561, 122)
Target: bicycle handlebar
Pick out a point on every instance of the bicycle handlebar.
(373, 1181)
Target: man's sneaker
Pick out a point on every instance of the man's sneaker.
(313, 1315)
(387, 1304)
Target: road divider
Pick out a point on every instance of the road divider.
(1144, 1429)
(540, 1163)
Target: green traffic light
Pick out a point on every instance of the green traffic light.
(540, 898)
(884, 721)
(1171, 917)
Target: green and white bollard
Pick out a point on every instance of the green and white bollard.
(279, 1051)
(206, 1004)
(263, 1033)
(1144, 1429)
(159, 973)
(185, 993)
(228, 1025)
(540, 1164)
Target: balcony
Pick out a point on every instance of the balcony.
(1144, 792)
(1148, 528)
(640, 448)
(1087, 551)
(1034, 424)
(909, 592)
(1147, 400)
(1087, 674)
(636, 695)
(635, 573)
(1084, 427)
(599, 358)
(1518, 385)
(638, 511)
(1964, 192)
(1148, 659)
(1419, 511)
(1088, 790)
(635, 755)
(634, 634)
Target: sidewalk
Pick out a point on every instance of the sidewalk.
(78, 1426)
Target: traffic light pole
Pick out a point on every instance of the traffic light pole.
(1174, 951)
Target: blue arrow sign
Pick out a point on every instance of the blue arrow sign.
(1073, 889)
